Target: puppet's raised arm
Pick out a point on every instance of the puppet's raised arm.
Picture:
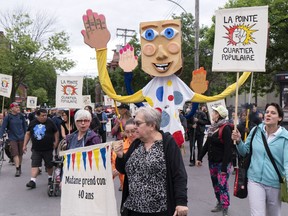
(107, 85)
(128, 62)
(229, 90)
(97, 35)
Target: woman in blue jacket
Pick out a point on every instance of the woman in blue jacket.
(263, 181)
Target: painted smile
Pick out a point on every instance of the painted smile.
(162, 68)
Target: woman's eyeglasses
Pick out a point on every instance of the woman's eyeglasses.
(138, 123)
(82, 121)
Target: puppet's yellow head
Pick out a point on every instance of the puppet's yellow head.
(161, 47)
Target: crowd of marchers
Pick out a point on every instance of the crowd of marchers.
(151, 159)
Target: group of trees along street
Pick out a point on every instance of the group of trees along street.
(36, 51)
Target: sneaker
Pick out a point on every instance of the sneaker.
(39, 170)
(31, 184)
(225, 212)
(192, 164)
(18, 173)
(217, 208)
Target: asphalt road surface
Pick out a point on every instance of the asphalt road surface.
(16, 199)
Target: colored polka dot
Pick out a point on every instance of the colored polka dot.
(178, 137)
(178, 97)
(165, 119)
(149, 101)
(176, 115)
(169, 83)
(159, 109)
(170, 97)
(159, 93)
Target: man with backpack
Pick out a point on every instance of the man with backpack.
(15, 125)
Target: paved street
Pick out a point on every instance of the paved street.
(17, 200)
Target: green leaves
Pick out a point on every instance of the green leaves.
(32, 46)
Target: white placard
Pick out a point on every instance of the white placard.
(109, 101)
(31, 102)
(6, 85)
(87, 183)
(86, 100)
(240, 39)
(69, 92)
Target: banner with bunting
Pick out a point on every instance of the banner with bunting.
(87, 183)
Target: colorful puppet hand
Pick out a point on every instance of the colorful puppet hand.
(96, 34)
(199, 84)
(128, 61)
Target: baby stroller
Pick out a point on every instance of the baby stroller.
(4, 147)
(54, 186)
(2, 150)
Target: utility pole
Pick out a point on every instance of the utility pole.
(125, 33)
(196, 54)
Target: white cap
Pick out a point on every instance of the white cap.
(223, 112)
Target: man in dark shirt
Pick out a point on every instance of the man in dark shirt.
(103, 120)
(254, 115)
(56, 118)
(196, 130)
(32, 115)
(15, 125)
(44, 136)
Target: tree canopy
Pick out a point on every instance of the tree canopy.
(34, 51)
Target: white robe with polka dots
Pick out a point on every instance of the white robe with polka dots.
(169, 94)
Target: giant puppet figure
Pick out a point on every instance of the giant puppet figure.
(161, 58)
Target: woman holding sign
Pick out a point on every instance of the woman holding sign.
(263, 181)
(83, 136)
(155, 177)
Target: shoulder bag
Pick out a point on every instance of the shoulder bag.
(241, 181)
(282, 180)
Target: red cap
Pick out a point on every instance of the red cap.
(14, 104)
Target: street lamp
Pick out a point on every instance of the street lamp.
(196, 45)
(178, 5)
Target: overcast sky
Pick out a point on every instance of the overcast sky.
(126, 14)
